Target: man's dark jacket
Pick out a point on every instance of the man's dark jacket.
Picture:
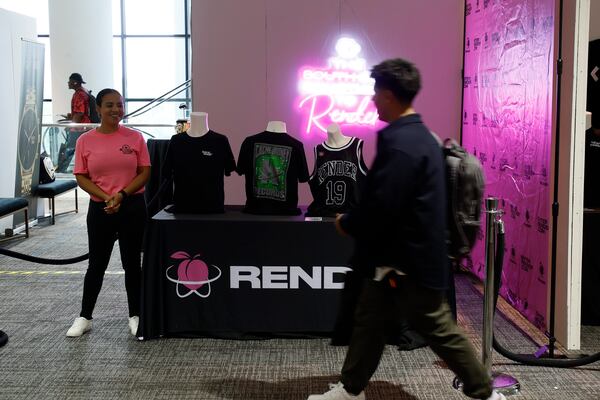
(401, 219)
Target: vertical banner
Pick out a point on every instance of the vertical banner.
(30, 120)
(507, 124)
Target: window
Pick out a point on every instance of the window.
(151, 52)
(39, 10)
(33, 8)
(154, 66)
(152, 55)
(155, 17)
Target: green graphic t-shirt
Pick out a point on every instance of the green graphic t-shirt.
(273, 164)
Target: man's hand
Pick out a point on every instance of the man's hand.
(338, 225)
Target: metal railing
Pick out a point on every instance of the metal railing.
(58, 140)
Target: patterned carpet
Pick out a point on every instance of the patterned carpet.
(39, 302)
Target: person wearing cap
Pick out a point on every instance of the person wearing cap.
(80, 102)
(80, 113)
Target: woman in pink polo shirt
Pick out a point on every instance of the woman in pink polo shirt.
(112, 164)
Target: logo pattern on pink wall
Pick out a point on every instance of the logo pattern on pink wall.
(507, 121)
(193, 274)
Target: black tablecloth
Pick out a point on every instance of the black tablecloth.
(157, 148)
(276, 255)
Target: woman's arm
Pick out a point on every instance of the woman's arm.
(143, 174)
(86, 184)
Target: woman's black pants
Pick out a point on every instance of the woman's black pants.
(127, 225)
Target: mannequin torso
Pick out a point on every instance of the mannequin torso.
(198, 124)
(335, 138)
(276, 126)
(335, 190)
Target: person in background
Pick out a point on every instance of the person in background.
(399, 227)
(80, 113)
(112, 165)
(80, 102)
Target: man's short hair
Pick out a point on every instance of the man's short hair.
(76, 77)
(399, 76)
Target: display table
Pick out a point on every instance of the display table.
(234, 275)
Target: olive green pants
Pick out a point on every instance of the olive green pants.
(428, 313)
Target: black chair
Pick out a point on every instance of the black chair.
(13, 205)
(51, 190)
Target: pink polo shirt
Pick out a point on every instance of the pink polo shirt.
(111, 159)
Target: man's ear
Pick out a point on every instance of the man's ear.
(388, 96)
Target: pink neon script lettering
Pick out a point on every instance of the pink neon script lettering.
(361, 116)
(321, 108)
(313, 116)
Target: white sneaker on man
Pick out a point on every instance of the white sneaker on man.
(80, 326)
(496, 396)
(337, 392)
(134, 322)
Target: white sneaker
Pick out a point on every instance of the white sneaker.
(80, 326)
(134, 322)
(337, 392)
(496, 396)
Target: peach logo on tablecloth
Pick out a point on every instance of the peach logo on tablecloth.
(193, 274)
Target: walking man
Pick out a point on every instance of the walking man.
(399, 229)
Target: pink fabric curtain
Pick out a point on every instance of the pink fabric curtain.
(507, 124)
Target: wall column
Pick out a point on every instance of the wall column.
(81, 40)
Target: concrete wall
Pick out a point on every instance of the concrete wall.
(82, 41)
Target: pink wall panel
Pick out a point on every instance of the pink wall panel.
(228, 72)
(507, 123)
(247, 57)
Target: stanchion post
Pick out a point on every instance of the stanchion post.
(502, 383)
(491, 205)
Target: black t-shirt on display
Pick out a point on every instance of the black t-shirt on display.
(337, 176)
(197, 165)
(591, 188)
(273, 163)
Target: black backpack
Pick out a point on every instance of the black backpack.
(465, 185)
(94, 117)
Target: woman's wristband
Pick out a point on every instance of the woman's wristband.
(123, 194)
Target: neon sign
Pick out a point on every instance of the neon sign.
(339, 92)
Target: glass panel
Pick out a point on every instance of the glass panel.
(33, 8)
(59, 143)
(47, 117)
(154, 17)
(116, 17)
(54, 142)
(154, 66)
(165, 113)
(47, 71)
(117, 65)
